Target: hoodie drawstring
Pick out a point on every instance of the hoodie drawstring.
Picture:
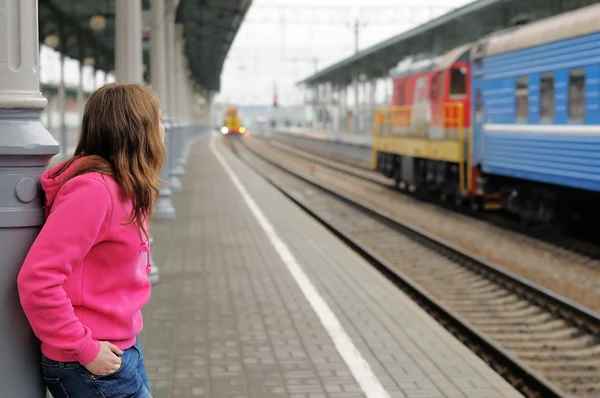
(146, 249)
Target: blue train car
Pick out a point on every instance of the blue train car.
(536, 107)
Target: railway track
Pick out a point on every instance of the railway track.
(303, 146)
(544, 344)
(566, 241)
(558, 269)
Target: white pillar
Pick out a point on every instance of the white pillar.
(176, 131)
(170, 61)
(373, 95)
(62, 103)
(356, 112)
(158, 54)
(344, 109)
(128, 47)
(50, 113)
(386, 92)
(80, 93)
(25, 150)
(191, 95)
(179, 137)
(207, 109)
(94, 75)
(164, 206)
(181, 75)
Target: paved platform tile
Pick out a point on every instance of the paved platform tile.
(227, 318)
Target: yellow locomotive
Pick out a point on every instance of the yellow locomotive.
(232, 124)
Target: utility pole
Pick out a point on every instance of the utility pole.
(356, 31)
(356, 34)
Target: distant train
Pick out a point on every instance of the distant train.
(511, 121)
(232, 124)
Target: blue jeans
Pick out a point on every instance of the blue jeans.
(72, 380)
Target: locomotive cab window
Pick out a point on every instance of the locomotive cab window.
(547, 98)
(522, 98)
(577, 96)
(458, 82)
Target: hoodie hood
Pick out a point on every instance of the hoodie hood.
(52, 185)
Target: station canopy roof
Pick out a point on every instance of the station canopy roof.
(209, 28)
(463, 25)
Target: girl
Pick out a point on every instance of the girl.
(85, 279)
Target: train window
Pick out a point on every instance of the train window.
(577, 96)
(441, 86)
(458, 82)
(547, 98)
(522, 96)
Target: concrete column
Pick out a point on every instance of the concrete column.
(174, 182)
(164, 207)
(356, 92)
(62, 103)
(128, 47)
(94, 75)
(180, 103)
(317, 108)
(387, 99)
(188, 114)
(170, 58)
(181, 74)
(193, 102)
(169, 32)
(129, 63)
(373, 99)
(187, 107)
(80, 93)
(158, 54)
(50, 112)
(193, 127)
(343, 109)
(356, 107)
(364, 97)
(372, 106)
(205, 111)
(25, 150)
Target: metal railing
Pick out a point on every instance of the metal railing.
(431, 121)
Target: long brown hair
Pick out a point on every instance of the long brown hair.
(120, 137)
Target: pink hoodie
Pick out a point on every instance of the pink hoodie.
(86, 276)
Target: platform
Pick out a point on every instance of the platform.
(258, 300)
(341, 146)
(360, 140)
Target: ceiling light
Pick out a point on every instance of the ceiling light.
(97, 23)
(52, 41)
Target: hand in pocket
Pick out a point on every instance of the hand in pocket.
(107, 361)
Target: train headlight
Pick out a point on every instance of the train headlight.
(242, 130)
(224, 130)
